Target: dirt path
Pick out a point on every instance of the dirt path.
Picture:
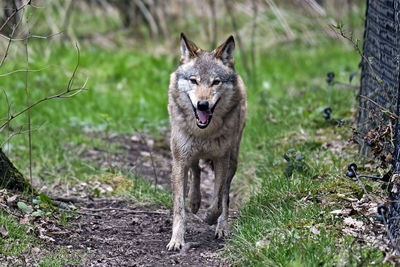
(117, 232)
(122, 233)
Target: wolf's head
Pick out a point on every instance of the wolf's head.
(206, 77)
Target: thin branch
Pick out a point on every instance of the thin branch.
(22, 70)
(67, 93)
(28, 104)
(356, 45)
(213, 30)
(29, 36)
(281, 18)
(228, 6)
(7, 48)
(14, 13)
(151, 159)
(148, 16)
(253, 45)
(8, 115)
(381, 107)
(19, 132)
(70, 82)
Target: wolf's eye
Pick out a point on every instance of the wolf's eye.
(216, 82)
(193, 80)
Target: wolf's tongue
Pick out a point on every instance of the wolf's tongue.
(203, 116)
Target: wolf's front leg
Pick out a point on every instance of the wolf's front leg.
(179, 173)
(222, 225)
(220, 168)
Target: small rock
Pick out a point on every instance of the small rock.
(135, 138)
(11, 200)
(3, 231)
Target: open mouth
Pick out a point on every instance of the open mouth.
(203, 117)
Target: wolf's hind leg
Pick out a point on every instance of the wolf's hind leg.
(194, 189)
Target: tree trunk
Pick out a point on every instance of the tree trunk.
(379, 77)
(378, 123)
(10, 177)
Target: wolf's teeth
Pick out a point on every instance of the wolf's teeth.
(199, 122)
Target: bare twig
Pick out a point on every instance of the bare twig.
(390, 236)
(395, 116)
(213, 29)
(125, 211)
(67, 16)
(30, 36)
(79, 199)
(28, 104)
(67, 93)
(253, 46)
(143, 139)
(148, 16)
(7, 48)
(14, 13)
(22, 70)
(15, 27)
(229, 10)
(8, 115)
(19, 132)
(356, 45)
(281, 18)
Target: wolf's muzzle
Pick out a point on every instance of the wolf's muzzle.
(203, 113)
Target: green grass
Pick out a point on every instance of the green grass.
(61, 257)
(18, 240)
(128, 91)
(275, 225)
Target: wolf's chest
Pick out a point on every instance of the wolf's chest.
(197, 147)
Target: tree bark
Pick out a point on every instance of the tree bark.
(379, 96)
(11, 177)
(379, 74)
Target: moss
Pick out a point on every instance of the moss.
(11, 177)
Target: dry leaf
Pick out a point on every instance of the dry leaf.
(315, 230)
(24, 220)
(354, 223)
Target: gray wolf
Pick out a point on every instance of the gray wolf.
(207, 111)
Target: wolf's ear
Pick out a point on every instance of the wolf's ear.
(188, 49)
(225, 51)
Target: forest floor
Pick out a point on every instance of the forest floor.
(296, 207)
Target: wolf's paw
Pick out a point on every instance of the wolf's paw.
(195, 201)
(220, 233)
(175, 244)
(221, 230)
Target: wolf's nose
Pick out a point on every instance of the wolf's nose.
(202, 105)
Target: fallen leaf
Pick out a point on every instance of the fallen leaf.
(24, 220)
(354, 223)
(263, 243)
(24, 207)
(315, 230)
(343, 212)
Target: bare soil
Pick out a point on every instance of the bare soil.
(122, 233)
